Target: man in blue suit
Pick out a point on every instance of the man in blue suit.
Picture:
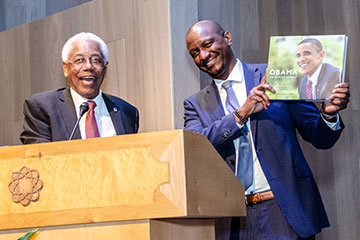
(283, 201)
(51, 116)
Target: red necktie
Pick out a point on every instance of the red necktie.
(91, 128)
(309, 90)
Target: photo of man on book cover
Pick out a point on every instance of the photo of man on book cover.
(319, 78)
(306, 67)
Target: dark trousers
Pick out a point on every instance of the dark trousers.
(264, 221)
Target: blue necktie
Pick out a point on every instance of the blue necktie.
(245, 159)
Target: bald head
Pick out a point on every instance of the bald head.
(206, 25)
(210, 47)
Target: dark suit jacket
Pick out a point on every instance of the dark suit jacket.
(329, 76)
(276, 144)
(51, 116)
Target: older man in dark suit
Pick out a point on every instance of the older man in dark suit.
(51, 116)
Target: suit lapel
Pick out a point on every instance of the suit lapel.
(320, 79)
(252, 79)
(68, 113)
(249, 78)
(212, 98)
(115, 114)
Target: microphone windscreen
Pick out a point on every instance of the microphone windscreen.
(84, 107)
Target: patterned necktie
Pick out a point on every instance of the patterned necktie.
(91, 128)
(245, 160)
(309, 90)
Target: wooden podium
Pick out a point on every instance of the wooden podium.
(161, 185)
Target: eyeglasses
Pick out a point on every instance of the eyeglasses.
(95, 61)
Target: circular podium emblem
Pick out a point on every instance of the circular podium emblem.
(25, 186)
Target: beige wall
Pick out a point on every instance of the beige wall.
(137, 34)
(152, 70)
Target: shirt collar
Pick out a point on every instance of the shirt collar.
(78, 100)
(235, 75)
(315, 76)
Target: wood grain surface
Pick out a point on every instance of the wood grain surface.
(163, 174)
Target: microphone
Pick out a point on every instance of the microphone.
(84, 107)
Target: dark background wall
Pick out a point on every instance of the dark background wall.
(18, 12)
(251, 23)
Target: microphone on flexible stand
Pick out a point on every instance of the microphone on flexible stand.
(84, 107)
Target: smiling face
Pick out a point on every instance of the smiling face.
(85, 69)
(309, 58)
(210, 48)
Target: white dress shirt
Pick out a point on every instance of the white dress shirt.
(260, 184)
(314, 80)
(103, 119)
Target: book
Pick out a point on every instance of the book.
(306, 67)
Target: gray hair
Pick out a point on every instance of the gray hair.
(84, 36)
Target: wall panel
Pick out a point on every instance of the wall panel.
(16, 12)
(138, 36)
(186, 78)
(150, 67)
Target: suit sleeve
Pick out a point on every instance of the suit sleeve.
(36, 128)
(311, 125)
(136, 128)
(220, 133)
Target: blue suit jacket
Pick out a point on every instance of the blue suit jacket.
(51, 116)
(276, 144)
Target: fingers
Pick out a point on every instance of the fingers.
(342, 88)
(258, 95)
(263, 84)
(339, 98)
(340, 95)
(340, 102)
(263, 80)
(264, 87)
(342, 85)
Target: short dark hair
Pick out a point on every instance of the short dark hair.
(316, 43)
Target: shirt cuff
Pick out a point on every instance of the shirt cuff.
(333, 125)
(239, 125)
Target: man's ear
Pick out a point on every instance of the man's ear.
(105, 68)
(228, 38)
(322, 53)
(65, 69)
